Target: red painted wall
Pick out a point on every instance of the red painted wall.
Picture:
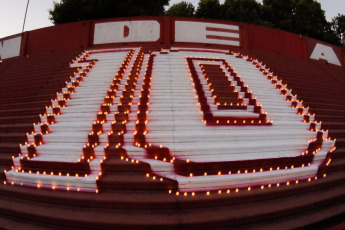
(311, 43)
(80, 35)
(272, 40)
(61, 37)
(164, 33)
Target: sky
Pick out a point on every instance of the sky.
(12, 13)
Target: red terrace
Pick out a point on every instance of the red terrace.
(174, 123)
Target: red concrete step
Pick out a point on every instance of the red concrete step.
(6, 160)
(87, 218)
(20, 127)
(115, 164)
(337, 164)
(336, 133)
(340, 143)
(326, 102)
(9, 148)
(131, 180)
(305, 220)
(323, 101)
(327, 118)
(199, 212)
(13, 137)
(338, 153)
(24, 109)
(279, 209)
(32, 94)
(328, 111)
(38, 76)
(333, 125)
(17, 223)
(115, 199)
(32, 90)
(20, 119)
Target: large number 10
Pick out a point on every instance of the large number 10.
(208, 122)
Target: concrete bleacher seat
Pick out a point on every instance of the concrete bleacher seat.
(153, 140)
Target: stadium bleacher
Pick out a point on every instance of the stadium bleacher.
(183, 137)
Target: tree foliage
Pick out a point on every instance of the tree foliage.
(304, 17)
(79, 10)
(309, 19)
(209, 9)
(338, 26)
(278, 13)
(249, 11)
(182, 9)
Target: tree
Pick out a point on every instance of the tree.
(182, 9)
(338, 26)
(209, 9)
(278, 13)
(249, 11)
(330, 35)
(309, 19)
(79, 10)
(304, 17)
